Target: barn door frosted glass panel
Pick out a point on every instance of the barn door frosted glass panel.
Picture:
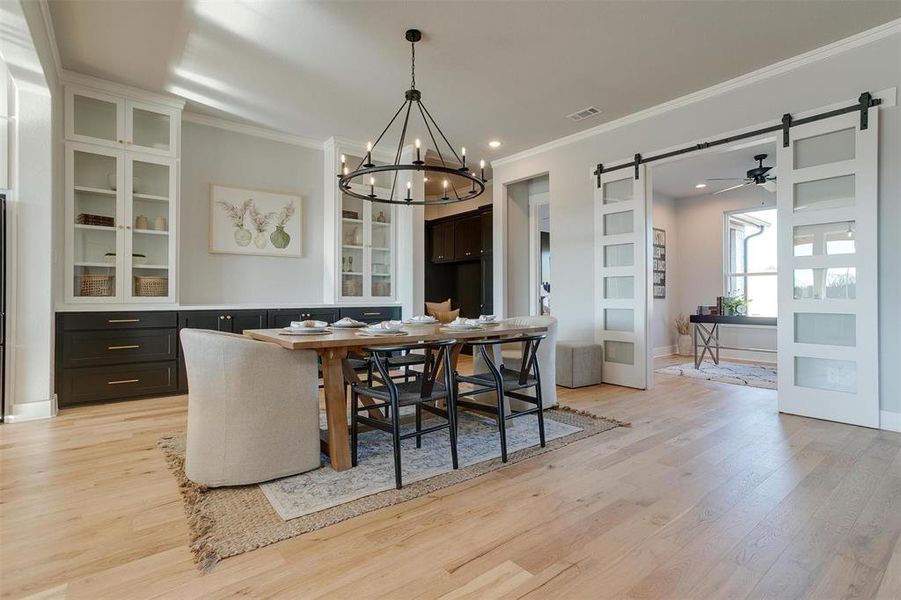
(828, 355)
(620, 276)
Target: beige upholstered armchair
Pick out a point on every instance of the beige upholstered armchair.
(253, 409)
(547, 358)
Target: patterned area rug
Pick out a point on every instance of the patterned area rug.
(761, 376)
(230, 521)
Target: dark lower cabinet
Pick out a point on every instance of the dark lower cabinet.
(124, 355)
(282, 317)
(118, 382)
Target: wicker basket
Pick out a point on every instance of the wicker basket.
(95, 285)
(151, 286)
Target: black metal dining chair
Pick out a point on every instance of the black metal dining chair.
(433, 385)
(504, 382)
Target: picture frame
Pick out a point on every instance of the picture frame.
(659, 265)
(255, 222)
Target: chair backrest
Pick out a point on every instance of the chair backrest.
(437, 362)
(528, 362)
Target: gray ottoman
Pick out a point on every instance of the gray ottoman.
(579, 363)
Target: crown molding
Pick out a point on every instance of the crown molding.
(112, 87)
(261, 132)
(860, 39)
(51, 35)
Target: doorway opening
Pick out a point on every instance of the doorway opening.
(713, 255)
(528, 247)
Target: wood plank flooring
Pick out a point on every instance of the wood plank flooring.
(710, 494)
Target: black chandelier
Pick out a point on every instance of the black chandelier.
(454, 189)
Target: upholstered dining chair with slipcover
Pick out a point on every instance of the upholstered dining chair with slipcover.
(253, 409)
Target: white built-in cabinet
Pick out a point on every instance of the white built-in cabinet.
(366, 243)
(121, 195)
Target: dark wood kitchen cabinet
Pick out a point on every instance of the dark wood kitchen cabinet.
(443, 242)
(468, 238)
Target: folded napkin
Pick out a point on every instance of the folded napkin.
(422, 319)
(346, 322)
(486, 318)
(309, 323)
(463, 322)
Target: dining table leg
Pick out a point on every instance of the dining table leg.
(336, 407)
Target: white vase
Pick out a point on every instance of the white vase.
(260, 239)
(684, 344)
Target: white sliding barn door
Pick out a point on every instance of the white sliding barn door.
(828, 319)
(621, 276)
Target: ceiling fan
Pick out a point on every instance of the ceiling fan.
(756, 176)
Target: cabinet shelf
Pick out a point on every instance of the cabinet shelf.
(351, 273)
(351, 247)
(87, 263)
(348, 220)
(95, 227)
(155, 267)
(151, 232)
(92, 190)
(150, 197)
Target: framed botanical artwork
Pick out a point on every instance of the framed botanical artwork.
(255, 222)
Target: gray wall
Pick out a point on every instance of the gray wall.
(664, 310)
(518, 249)
(212, 155)
(874, 66)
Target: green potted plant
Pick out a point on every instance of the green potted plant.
(735, 305)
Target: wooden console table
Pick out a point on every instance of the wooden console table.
(706, 327)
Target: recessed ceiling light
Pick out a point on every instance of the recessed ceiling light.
(494, 144)
(701, 186)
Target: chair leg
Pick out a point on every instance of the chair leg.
(452, 428)
(418, 425)
(353, 429)
(540, 415)
(396, 438)
(502, 423)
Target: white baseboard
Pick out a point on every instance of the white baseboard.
(664, 351)
(890, 421)
(31, 411)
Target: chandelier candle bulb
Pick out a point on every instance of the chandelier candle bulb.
(409, 189)
(368, 155)
(482, 167)
(372, 187)
(463, 154)
(418, 160)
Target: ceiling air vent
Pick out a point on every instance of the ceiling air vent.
(581, 115)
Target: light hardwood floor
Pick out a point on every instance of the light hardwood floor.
(711, 493)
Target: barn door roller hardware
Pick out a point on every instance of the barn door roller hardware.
(863, 105)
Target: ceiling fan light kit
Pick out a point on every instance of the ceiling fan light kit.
(364, 173)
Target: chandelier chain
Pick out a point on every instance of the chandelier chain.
(412, 65)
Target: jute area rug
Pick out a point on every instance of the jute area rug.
(761, 376)
(225, 522)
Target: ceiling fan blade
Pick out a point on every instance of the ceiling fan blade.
(730, 188)
(770, 185)
(726, 178)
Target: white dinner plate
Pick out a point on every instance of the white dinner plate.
(464, 328)
(382, 333)
(293, 331)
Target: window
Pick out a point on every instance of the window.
(750, 268)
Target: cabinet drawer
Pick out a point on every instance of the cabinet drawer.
(118, 320)
(372, 314)
(95, 348)
(117, 382)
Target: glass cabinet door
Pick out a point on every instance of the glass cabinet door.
(94, 117)
(94, 183)
(150, 185)
(150, 129)
(381, 256)
(352, 240)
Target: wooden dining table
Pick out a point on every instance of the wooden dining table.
(333, 348)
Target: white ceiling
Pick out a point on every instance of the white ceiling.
(509, 70)
(677, 179)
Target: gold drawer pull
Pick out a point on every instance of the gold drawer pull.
(121, 381)
(128, 347)
(123, 320)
